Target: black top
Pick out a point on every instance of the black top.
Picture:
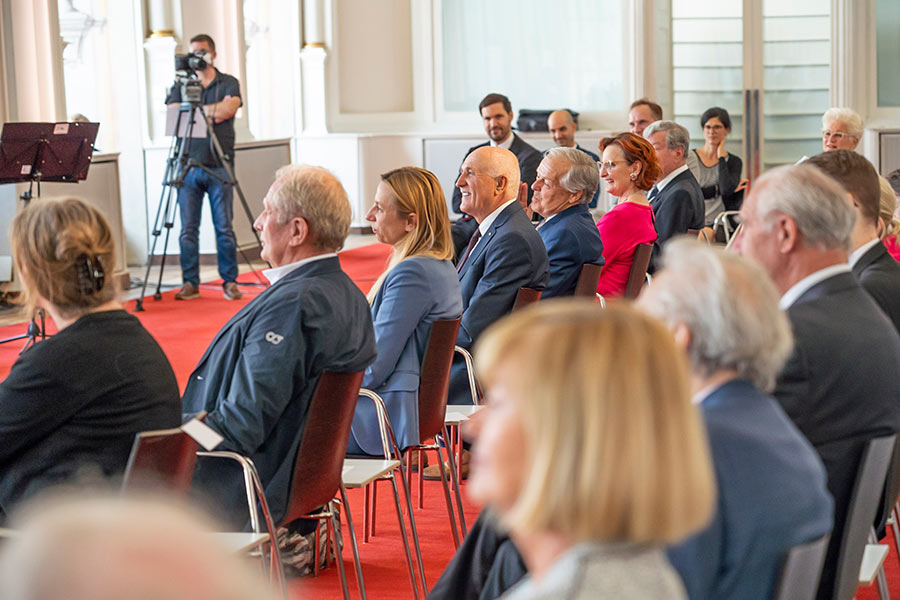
(204, 152)
(879, 274)
(72, 404)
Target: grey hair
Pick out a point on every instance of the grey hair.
(316, 195)
(729, 305)
(848, 117)
(583, 174)
(817, 203)
(677, 136)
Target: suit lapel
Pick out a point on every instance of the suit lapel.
(871, 256)
(487, 237)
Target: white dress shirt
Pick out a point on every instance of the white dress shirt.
(276, 273)
(799, 288)
(665, 180)
(858, 253)
(505, 144)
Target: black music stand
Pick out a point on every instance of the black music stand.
(36, 152)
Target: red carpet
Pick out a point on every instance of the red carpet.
(185, 329)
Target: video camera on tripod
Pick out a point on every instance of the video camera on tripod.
(186, 67)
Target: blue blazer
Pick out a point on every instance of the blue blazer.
(572, 239)
(257, 377)
(509, 256)
(772, 496)
(417, 292)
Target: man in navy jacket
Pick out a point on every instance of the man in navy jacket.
(566, 180)
(258, 375)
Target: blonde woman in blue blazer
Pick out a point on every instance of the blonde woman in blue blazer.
(419, 286)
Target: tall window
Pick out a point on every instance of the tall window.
(83, 28)
(540, 53)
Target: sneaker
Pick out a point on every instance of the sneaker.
(188, 291)
(231, 291)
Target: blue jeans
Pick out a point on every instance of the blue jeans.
(190, 201)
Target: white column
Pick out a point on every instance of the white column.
(35, 89)
(314, 79)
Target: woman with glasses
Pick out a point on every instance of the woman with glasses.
(595, 461)
(841, 129)
(629, 167)
(419, 287)
(72, 403)
(717, 170)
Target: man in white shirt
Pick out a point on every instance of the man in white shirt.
(256, 379)
(877, 271)
(497, 116)
(676, 199)
(840, 386)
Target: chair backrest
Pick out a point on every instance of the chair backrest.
(638, 273)
(526, 296)
(801, 571)
(867, 493)
(434, 378)
(162, 458)
(320, 457)
(891, 491)
(588, 279)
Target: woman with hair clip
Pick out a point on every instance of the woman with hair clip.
(419, 287)
(72, 403)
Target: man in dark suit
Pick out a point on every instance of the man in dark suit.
(566, 179)
(562, 129)
(676, 199)
(257, 377)
(504, 254)
(772, 485)
(497, 114)
(876, 270)
(839, 386)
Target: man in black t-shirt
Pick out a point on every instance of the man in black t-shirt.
(221, 99)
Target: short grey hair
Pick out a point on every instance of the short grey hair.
(317, 196)
(848, 117)
(583, 174)
(817, 203)
(729, 305)
(677, 136)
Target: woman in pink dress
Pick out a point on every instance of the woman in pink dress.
(629, 167)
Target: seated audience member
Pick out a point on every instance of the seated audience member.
(258, 375)
(772, 495)
(772, 491)
(629, 168)
(842, 129)
(419, 287)
(497, 114)
(641, 113)
(876, 270)
(574, 457)
(72, 403)
(797, 223)
(890, 186)
(676, 199)
(124, 548)
(562, 129)
(504, 254)
(717, 171)
(566, 180)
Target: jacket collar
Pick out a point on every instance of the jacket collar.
(832, 285)
(871, 256)
(501, 219)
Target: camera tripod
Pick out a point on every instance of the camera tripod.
(178, 165)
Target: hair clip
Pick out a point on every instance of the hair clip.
(90, 274)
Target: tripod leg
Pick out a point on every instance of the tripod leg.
(169, 223)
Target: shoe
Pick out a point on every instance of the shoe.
(188, 291)
(432, 474)
(413, 458)
(231, 291)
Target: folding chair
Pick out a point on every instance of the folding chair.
(317, 469)
(638, 273)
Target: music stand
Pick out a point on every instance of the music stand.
(36, 152)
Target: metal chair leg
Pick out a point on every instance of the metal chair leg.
(883, 592)
(453, 471)
(412, 522)
(336, 543)
(447, 496)
(366, 501)
(409, 563)
(359, 575)
(895, 527)
(374, 503)
(419, 476)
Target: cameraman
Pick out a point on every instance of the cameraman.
(221, 99)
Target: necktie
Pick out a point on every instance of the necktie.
(653, 192)
(474, 240)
